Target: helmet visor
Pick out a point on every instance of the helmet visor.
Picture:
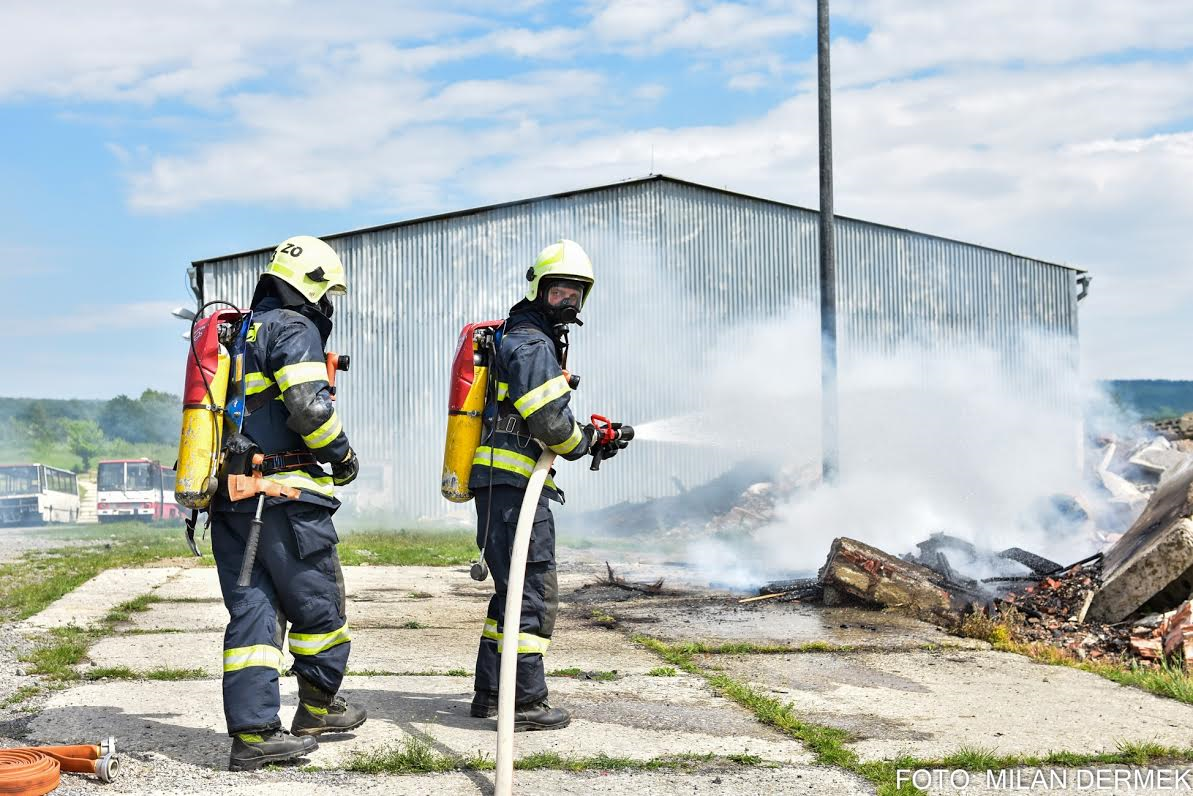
(564, 293)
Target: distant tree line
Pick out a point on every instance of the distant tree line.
(88, 428)
(1152, 399)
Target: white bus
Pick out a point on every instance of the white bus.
(32, 494)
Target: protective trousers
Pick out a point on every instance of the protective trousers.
(499, 507)
(296, 577)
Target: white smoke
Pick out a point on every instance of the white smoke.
(932, 439)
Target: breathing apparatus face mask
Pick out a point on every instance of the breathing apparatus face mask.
(326, 307)
(561, 300)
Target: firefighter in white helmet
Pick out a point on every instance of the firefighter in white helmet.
(529, 410)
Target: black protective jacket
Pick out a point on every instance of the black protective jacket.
(529, 408)
(286, 363)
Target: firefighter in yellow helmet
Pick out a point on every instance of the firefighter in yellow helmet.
(296, 578)
(529, 410)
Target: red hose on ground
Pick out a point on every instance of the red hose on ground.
(28, 772)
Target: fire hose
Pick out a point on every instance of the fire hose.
(35, 770)
(513, 621)
(608, 434)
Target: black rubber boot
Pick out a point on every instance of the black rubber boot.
(320, 712)
(252, 750)
(484, 705)
(540, 716)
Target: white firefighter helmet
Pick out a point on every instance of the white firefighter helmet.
(309, 266)
(563, 260)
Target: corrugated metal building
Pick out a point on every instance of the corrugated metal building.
(682, 269)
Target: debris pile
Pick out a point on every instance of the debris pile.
(1165, 636)
(1053, 611)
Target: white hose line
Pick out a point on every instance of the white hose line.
(513, 620)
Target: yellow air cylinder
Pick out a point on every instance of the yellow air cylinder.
(465, 408)
(202, 434)
(463, 437)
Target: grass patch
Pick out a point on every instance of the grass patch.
(386, 673)
(42, 576)
(420, 595)
(415, 756)
(137, 605)
(411, 756)
(580, 674)
(65, 648)
(168, 673)
(408, 547)
(661, 671)
(413, 624)
(22, 694)
(602, 618)
(110, 673)
(747, 648)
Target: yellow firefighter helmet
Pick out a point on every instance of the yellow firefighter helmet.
(563, 260)
(309, 266)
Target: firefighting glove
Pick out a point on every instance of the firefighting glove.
(345, 472)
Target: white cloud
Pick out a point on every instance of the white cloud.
(651, 92)
(633, 20)
(89, 319)
(749, 81)
(144, 51)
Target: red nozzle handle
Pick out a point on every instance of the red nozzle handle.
(604, 427)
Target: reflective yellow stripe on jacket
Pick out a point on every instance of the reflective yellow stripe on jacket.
(257, 655)
(256, 382)
(542, 395)
(302, 480)
(314, 643)
(300, 373)
(325, 434)
(569, 444)
(509, 461)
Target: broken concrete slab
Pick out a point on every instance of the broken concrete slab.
(92, 601)
(381, 650)
(197, 583)
(723, 620)
(640, 718)
(1121, 490)
(928, 705)
(1151, 566)
(872, 576)
(1159, 457)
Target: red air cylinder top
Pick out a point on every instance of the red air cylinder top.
(206, 342)
(463, 366)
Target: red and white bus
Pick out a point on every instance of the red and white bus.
(135, 489)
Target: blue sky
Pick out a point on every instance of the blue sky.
(139, 136)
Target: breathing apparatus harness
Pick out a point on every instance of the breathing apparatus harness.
(512, 424)
(242, 466)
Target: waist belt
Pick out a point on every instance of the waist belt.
(287, 460)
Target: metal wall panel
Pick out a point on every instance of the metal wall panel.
(681, 269)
